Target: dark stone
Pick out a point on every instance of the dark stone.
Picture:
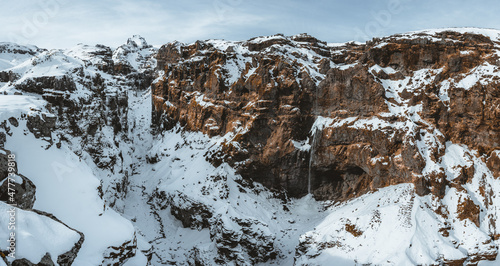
(13, 121)
(45, 261)
(41, 125)
(24, 193)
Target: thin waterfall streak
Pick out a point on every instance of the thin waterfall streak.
(314, 132)
(309, 173)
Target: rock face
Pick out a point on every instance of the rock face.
(120, 254)
(41, 124)
(24, 193)
(255, 92)
(345, 122)
(192, 214)
(242, 241)
(22, 190)
(367, 107)
(79, 97)
(398, 136)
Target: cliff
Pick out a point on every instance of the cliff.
(279, 149)
(353, 117)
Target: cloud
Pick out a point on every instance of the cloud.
(64, 23)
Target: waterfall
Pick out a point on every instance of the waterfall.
(314, 133)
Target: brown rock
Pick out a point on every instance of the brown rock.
(277, 105)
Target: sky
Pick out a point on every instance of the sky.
(65, 23)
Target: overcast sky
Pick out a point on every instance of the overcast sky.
(65, 23)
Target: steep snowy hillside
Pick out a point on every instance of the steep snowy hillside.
(277, 150)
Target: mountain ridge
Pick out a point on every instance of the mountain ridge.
(173, 138)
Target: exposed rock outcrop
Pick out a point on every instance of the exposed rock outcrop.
(120, 254)
(21, 190)
(246, 242)
(400, 134)
(268, 95)
(41, 124)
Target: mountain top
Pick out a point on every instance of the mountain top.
(279, 150)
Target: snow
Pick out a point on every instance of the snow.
(15, 105)
(88, 55)
(200, 100)
(388, 70)
(347, 66)
(299, 52)
(493, 34)
(394, 213)
(482, 74)
(443, 92)
(336, 44)
(302, 145)
(136, 53)
(13, 54)
(53, 63)
(267, 38)
(380, 45)
(138, 41)
(250, 72)
(223, 45)
(35, 235)
(409, 220)
(455, 158)
(340, 44)
(67, 188)
(322, 122)
(414, 234)
(183, 170)
(490, 263)
(67, 184)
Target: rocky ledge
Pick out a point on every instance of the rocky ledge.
(353, 118)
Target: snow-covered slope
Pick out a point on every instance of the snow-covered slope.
(12, 54)
(146, 156)
(66, 186)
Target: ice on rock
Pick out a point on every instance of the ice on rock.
(138, 42)
(155, 197)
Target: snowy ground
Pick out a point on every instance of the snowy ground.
(304, 231)
(67, 188)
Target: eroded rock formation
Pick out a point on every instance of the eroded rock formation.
(398, 134)
(372, 104)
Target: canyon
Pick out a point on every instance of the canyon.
(275, 150)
